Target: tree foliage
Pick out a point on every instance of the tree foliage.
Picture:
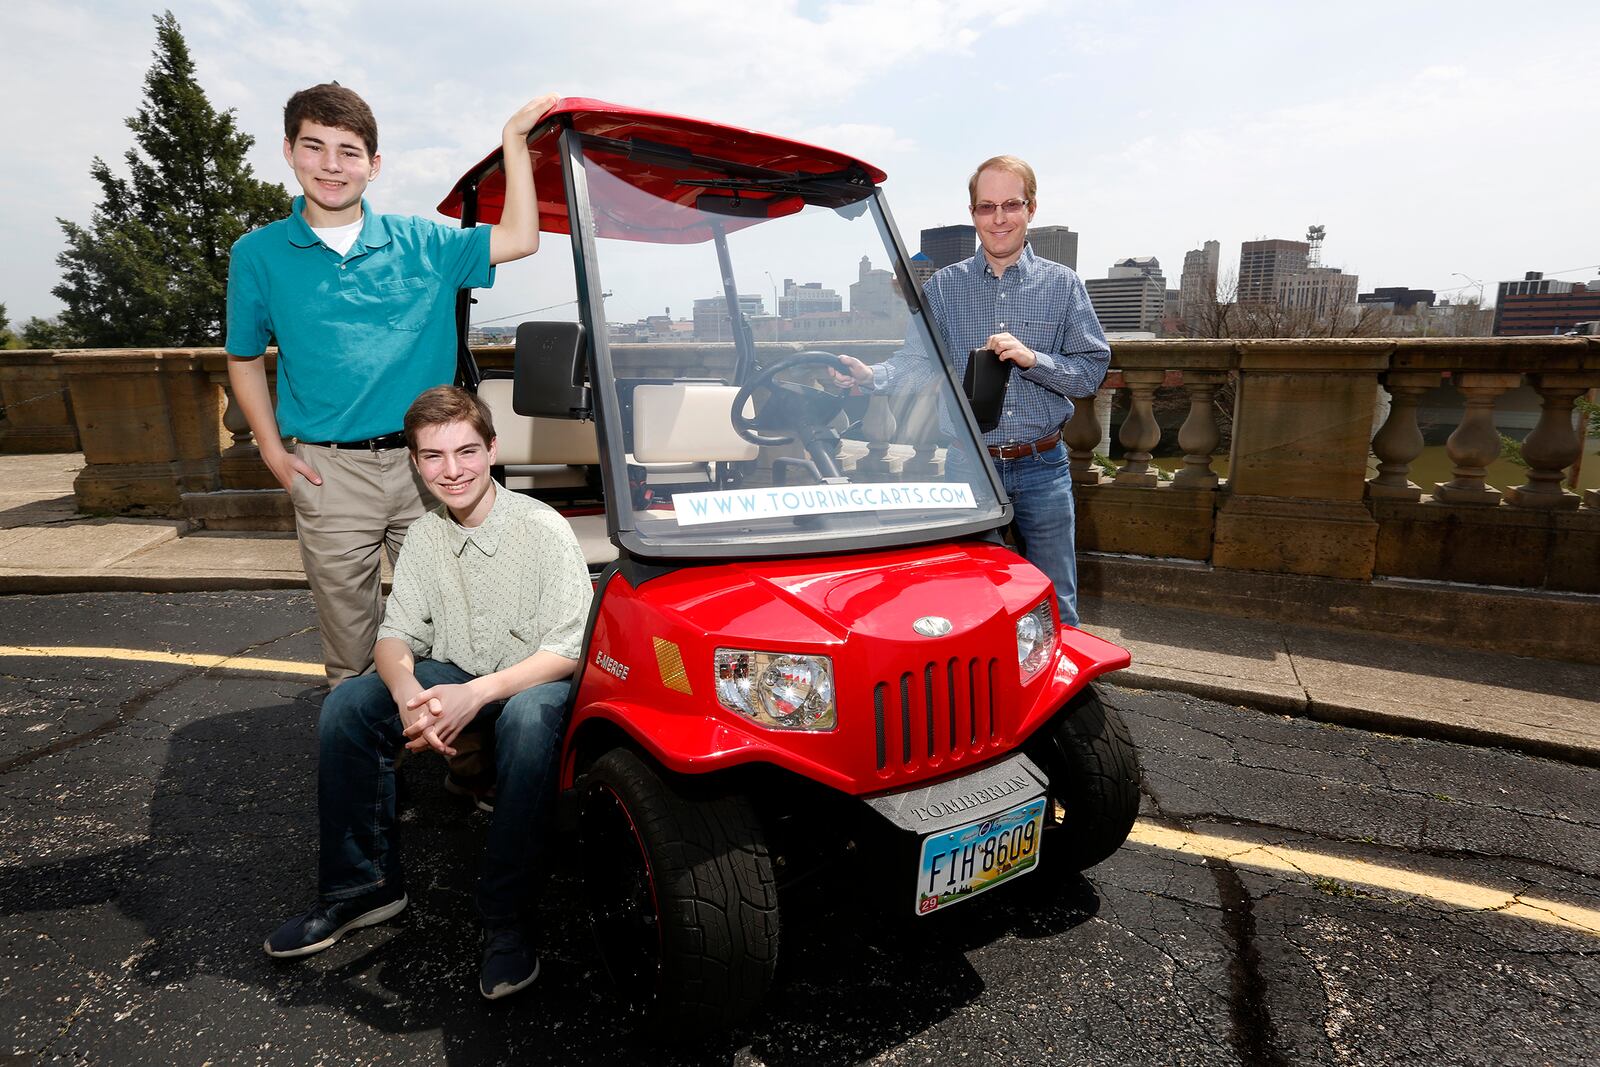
(5, 328)
(48, 333)
(151, 268)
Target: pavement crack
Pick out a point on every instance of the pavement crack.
(1288, 656)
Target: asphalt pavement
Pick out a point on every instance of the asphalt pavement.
(1415, 688)
(1294, 892)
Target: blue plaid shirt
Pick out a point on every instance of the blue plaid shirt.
(1042, 304)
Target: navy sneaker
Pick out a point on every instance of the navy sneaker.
(509, 962)
(328, 922)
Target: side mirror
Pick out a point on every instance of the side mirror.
(549, 370)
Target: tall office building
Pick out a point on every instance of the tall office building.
(922, 269)
(1055, 243)
(1264, 264)
(1132, 296)
(1323, 291)
(711, 321)
(1197, 287)
(874, 292)
(809, 296)
(945, 245)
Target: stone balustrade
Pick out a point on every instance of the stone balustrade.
(35, 412)
(1311, 491)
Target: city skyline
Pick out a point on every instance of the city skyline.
(1400, 131)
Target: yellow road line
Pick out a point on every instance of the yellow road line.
(1257, 854)
(1463, 895)
(184, 659)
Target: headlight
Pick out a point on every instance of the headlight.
(778, 690)
(1036, 639)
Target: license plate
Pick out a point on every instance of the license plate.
(961, 863)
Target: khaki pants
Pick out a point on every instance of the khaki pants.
(366, 502)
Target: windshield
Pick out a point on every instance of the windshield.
(729, 299)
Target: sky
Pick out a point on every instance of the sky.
(1441, 146)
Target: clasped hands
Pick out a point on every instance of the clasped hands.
(434, 717)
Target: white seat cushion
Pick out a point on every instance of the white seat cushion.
(527, 440)
(688, 423)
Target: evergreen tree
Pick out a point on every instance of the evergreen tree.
(151, 268)
(5, 328)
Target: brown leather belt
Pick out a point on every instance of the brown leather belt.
(1043, 444)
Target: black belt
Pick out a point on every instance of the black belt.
(388, 440)
(1043, 444)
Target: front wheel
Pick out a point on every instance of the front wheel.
(681, 896)
(1094, 777)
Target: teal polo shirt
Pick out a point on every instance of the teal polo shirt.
(359, 335)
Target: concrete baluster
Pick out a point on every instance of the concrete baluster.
(919, 427)
(1553, 444)
(1399, 441)
(1140, 432)
(1475, 443)
(240, 466)
(1199, 436)
(1082, 434)
(878, 423)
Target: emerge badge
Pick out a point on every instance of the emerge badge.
(610, 666)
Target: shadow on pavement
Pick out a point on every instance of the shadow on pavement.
(231, 852)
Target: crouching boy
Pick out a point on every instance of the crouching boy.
(486, 619)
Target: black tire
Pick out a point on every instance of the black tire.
(1094, 776)
(681, 896)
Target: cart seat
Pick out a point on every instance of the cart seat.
(539, 453)
(687, 425)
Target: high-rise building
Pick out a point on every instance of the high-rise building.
(874, 292)
(711, 322)
(1322, 291)
(1263, 265)
(1197, 287)
(1132, 296)
(809, 296)
(1540, 305)
(949, 244)
(1055, 243)
(922, 269)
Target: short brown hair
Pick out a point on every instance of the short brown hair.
(1030, 184)
(445, 404)
(331, 104)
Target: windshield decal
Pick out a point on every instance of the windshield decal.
(744, 505)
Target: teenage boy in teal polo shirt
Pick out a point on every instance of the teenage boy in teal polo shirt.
(362, 308)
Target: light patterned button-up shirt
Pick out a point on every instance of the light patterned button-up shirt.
(489, 597)
(1042, 304)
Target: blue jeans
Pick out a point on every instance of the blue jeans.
(1040, 488)
(360, 735)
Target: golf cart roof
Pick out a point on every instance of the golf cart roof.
(657, 153)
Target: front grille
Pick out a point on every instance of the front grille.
(945, 711)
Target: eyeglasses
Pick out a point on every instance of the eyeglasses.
(983, 209)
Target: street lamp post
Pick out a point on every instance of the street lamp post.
(1471, 281)
(775, 304)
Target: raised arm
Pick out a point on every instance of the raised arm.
(517, 233)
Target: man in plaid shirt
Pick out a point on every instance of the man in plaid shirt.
(1036, 315)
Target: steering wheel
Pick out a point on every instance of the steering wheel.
(747, 427)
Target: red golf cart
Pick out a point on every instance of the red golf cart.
(809, 642)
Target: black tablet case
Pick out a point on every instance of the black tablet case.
(985, 382)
